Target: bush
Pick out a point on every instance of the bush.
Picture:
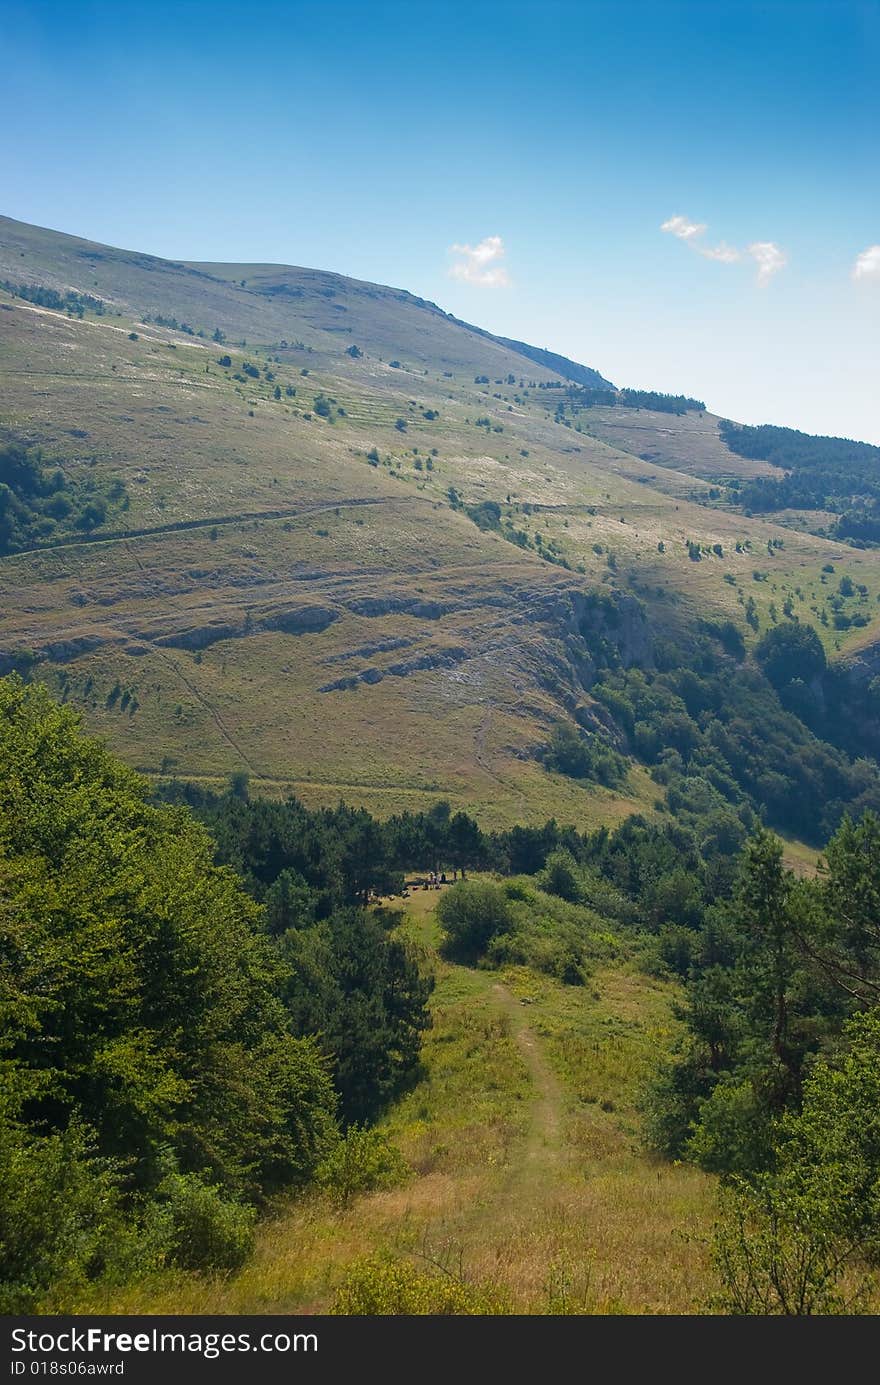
(361, 1162)
(203, 1230)
(471, 914)
(580, 756)
(560, 876)
(59, 1212)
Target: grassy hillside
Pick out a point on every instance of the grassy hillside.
(354, 551)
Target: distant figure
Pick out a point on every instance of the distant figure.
(443, 878)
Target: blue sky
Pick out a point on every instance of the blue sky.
(370, 138)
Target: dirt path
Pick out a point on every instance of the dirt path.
(183, 526)
(543, 1140)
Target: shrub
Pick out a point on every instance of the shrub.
(471, 914)
(203, 1230)
(790, 651)
(361, 1162)
(580, 756)
(59, 1211)
(559, 876)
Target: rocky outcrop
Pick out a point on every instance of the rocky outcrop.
(295, 620)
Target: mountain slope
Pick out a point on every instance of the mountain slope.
(266, 303)
(356, 573)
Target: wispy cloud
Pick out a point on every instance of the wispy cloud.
(769, 259)
(766, 254)
(724, 253)
(682, 228)
(867, 265)
(478, 264)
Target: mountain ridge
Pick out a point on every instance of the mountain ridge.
(266, 280)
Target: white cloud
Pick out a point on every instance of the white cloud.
(766, 254)
(769, 259)
(867, 265)
(724, 253)
(478, 264)
(682, 228)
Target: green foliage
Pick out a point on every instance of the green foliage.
(773, 1262)
(76, 304)
(383, 1286)
(199, 1227)
(360, 991)
(715, 733)
(844, 928)
(37, 507)
(790, 651)
(560, 876)
(361, 1162)
(60, 1209)
(772, 977)
(486, 515)
(794, 1240)
(583, 756)
(551, 934)
(823, 473)
(601, 395)
(471, 914)
(139, 998)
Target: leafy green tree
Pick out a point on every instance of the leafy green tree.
(790, 651)
(360, 992)
(139, 996)
(756, 1008)
(788, 1240)
(465, 847)
(471, 914)
(842, 932)
(560, 876)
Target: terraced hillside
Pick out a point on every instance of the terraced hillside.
(353, 547)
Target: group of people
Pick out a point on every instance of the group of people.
(434, 881)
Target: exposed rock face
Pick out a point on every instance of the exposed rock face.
(297, 620)
(59, 651)
(864, 665)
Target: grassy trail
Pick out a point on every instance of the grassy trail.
(529, 1173)
(542, 1147)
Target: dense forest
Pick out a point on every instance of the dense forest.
(577, 397)
(782, 735)
(833, 474)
